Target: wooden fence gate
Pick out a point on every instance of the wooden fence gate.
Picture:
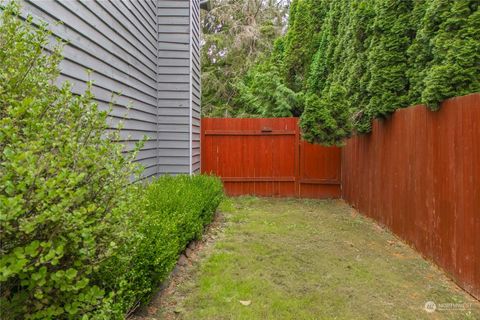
(266, 157)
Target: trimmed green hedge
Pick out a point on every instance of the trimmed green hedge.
(78, 239)
(173, 212)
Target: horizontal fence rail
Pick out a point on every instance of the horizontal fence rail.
(418, 173)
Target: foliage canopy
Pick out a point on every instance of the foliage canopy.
(235, 34)
(372, 56)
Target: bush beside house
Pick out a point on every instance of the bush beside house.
(173, 211)
(79, 240)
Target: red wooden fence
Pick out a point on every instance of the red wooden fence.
(419, 174)
(266, 157)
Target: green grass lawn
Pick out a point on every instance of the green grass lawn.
(309, 259)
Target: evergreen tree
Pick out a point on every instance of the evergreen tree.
(426, 18)
(455, 67)
(263, 92)
(357, 72)
(341, 42)
(234, 35)
(322, 64)
(325, 119)
(301, 42)
(387, 58)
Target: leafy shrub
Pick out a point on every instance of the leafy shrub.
(64, 190)
(79, 240)
(174, 211)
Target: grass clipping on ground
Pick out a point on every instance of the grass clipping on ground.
(310, 259)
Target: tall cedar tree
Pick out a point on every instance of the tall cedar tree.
(455, 67)
(357, 71)
(301, 39)
(387, 59)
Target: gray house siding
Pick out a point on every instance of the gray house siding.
(195, 86)
(145, 50)
(173, 85)
(178, 85)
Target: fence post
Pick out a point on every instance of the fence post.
(297, 159)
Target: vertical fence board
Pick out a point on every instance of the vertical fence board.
(418, 173)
